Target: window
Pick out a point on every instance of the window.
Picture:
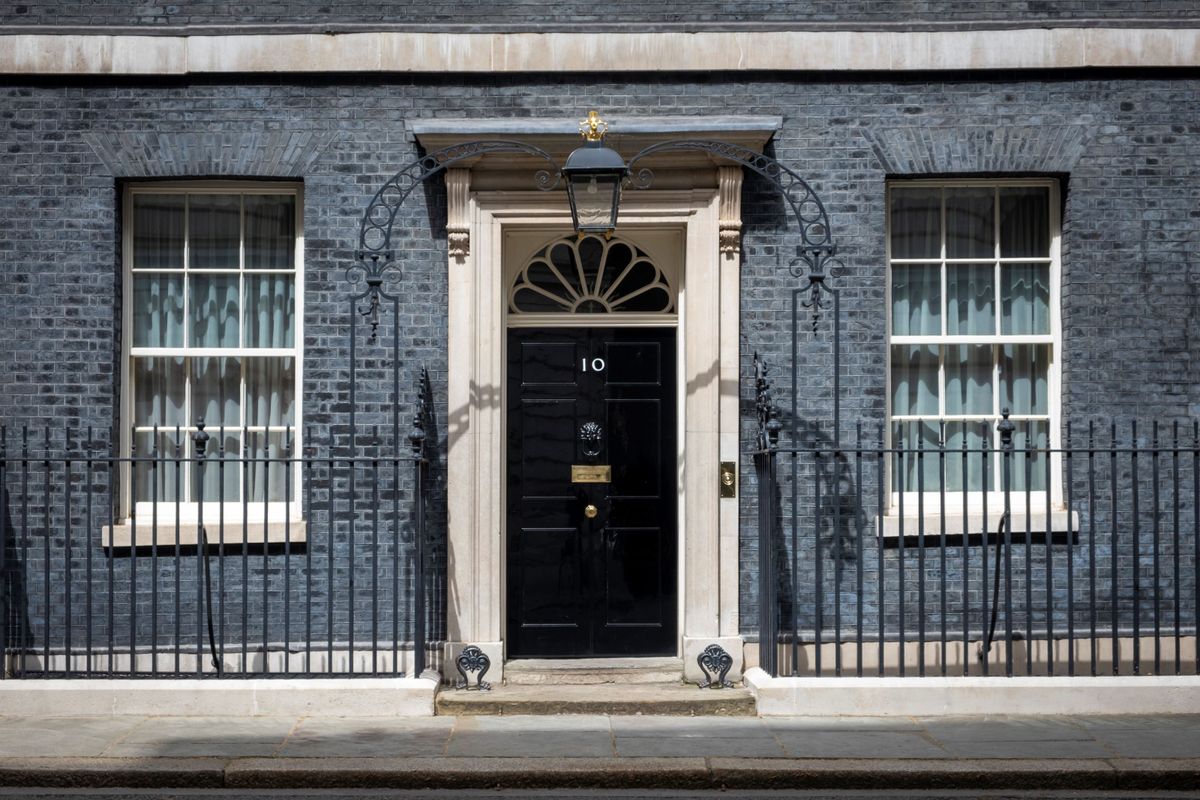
(212, 323)
(974, 326)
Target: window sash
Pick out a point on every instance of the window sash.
(244, 191)
(943, 340)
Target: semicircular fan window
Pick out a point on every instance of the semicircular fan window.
(590, 275)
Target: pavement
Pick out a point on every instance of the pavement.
(1098, 753)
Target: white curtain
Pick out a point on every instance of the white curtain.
(970, 309)
(226, 310)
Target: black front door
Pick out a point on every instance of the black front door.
(591, 551)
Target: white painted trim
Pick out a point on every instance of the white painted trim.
(273, 697)
(233, 534)
(953, 499)
(478, 290)
(167, 511)
(601, 53)
(903, 697)
(890, 526)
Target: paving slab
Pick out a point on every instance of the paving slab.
(842, 723)
(707, 746)
(1151, 744)
(533, 723)
(528, 744)
(1043, 749)
(1126, 722)
(204, 736)
(62, 736)
(1004, 729)
(368, 737)
(700, 727)
(859, 744)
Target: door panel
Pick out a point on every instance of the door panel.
(580, 586)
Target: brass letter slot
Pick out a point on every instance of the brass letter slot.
(591, 473)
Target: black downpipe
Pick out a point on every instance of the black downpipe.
(986, 646)
(200, 439)
(1005, 429)
(208, 599)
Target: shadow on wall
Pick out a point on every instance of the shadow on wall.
(832, 480)
(15, 630)
(435, 550)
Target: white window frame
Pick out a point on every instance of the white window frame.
(231, 512)
(970, 518)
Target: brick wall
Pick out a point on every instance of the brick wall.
(1131, 283)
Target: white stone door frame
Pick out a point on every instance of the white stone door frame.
(709, 351)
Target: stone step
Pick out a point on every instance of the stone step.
(675, 699)
(593, 671)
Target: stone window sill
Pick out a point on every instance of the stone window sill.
(254, 533)
(890, 526)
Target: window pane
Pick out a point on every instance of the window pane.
(915, 466)
(973, 434)
(914, 380)
(1024, 378)
(270, 310)
(157, 310)
(969, 379)
(157, 472)
(229, 469)
(158, 231)
(1029, 470)
(268, 477)
(970, 223)
(1025, 222)
(916, 223)
(214, 227)
(970, 301)
(158, 392)
(1025, 298)
(216, 391)
(916, 300)
(270, 392)
(270, 231)
(214, 303)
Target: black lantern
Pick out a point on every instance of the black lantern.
(594, 176)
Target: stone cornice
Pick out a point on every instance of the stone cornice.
(1029, 48)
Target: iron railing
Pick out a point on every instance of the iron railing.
(884, 557)
(264, 560)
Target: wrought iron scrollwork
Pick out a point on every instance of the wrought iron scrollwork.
(421, 421)
(472, 660)
(715, 662)
(816, 252)
(768, 426)
(376, 255)
(375, 232)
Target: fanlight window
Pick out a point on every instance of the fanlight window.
(590, 275)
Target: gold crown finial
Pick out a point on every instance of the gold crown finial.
(593, 128)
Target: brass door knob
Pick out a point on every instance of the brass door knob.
(590, 511)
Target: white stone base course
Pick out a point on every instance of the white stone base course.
(334, 697)
(920, 697)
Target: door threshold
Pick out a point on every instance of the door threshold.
(597, 664)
